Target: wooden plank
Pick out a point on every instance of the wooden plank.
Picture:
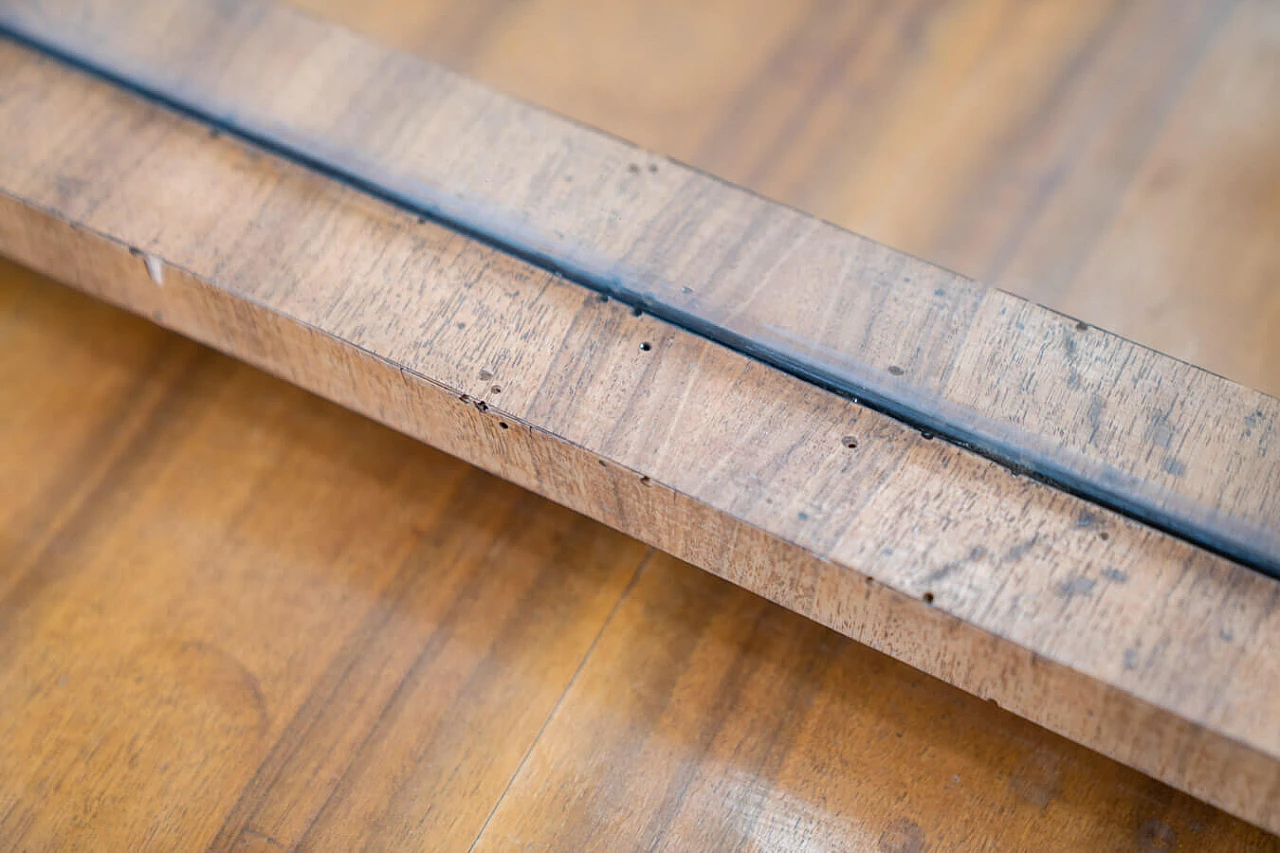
(1125, 639)
(208, 536)
(1149, 436)
(536, 49)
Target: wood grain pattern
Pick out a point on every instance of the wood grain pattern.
(735, 730)
(1092, 625)
(253, 605)
(258, 601)
(1111, 159)
(1156, 438)
(663, 74)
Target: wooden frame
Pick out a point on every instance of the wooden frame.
(1127, 639)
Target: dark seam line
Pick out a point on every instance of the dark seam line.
(1006, 453)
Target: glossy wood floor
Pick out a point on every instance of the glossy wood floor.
(235, 615)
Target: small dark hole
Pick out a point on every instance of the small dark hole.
(653, 168)
(939, 292)
(602, 463)
(214, 133)
(482, 406)
(633, 168)
(686, 290)
(466, 398)
(928, 598)
(496, 389)
(603, 297)
(644, 481)
(849, 442)
(636, 311)
(645, 346)
(1104, 536)
(927, 436)
(503, 425)
(422, 220)
(895, 370)
(1082, 326)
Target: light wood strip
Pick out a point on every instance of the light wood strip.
(1098, 415)
(1122, 638)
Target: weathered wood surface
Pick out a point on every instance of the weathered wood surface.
(238, 616)
(1151, 436)
(1097, 627)
(1111, 159)
(670, 76)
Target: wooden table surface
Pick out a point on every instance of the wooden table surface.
(235, 615)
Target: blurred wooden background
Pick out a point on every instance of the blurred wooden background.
(236, 615)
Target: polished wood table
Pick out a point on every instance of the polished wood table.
(239, 616)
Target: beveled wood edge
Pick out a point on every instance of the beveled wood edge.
(108, 37)
(1188, 756)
